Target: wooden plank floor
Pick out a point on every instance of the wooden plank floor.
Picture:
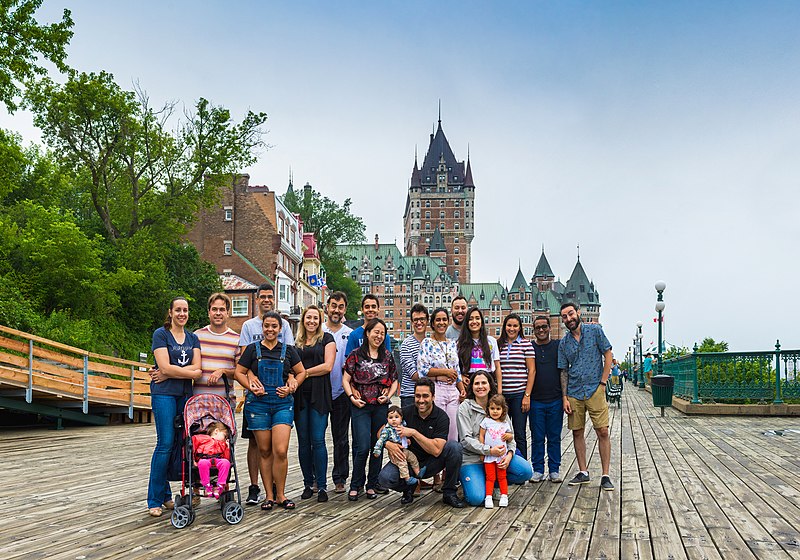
(710, 487)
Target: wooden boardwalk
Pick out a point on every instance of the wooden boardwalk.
(686, 488)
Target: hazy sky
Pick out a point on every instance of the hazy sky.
(662, 137)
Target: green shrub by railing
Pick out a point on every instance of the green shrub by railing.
(737, 377)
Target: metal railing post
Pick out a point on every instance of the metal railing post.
(696, 382)
(778, 399)
(29, 388)
(86, 384)
(130, 405)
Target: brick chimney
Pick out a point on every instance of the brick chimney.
(376, 241)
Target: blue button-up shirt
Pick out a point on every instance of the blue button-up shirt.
(584, 360)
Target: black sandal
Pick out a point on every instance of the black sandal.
(287, 504)
(267, 505)
(352, 495)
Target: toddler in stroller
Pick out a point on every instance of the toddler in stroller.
(213, 449)
(208, 442)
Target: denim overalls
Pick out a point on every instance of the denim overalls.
(268, 409)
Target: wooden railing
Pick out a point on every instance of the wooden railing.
(50, 370)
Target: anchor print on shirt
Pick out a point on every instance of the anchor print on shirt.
(184, 359)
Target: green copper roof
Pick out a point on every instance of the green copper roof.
(417, 267)
(519, 283)
(543, 268)
(484, 293)
(579, 288)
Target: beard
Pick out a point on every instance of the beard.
(573, 324)
(458, 322)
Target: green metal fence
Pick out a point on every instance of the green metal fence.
(745, 377)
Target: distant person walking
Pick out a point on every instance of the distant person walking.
(647, 367)
(584, 358)
(177, 356)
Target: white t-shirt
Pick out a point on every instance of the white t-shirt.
(253, 329)
(341, 336)
(494, 436)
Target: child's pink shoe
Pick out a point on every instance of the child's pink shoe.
(209, 491)
(218, 490)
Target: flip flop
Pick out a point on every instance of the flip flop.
(287, 504)
(155, 512)
(267, 505)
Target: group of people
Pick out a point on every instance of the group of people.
(466, 399)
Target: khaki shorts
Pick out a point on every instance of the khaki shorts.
(596, 406)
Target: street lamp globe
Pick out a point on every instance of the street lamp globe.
(661, 286)
(639, 324)
(660, 305)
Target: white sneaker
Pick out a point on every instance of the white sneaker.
(488, 504)
(555, 477)
(538, 477)
(503, 501)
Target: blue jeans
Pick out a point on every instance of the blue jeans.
(546, 421)
(165, 408)
(365, 423)
(519, 420)
(473, 478)
(311, 451)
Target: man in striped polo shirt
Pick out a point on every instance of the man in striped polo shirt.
(409, 352)
(219, 345)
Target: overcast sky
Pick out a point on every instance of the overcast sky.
(662, 137)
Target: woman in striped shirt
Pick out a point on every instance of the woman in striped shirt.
(519, 371)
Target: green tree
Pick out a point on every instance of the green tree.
(332, 224)
(676, 352)
(139, 171)
(710, 345)
(23, 41)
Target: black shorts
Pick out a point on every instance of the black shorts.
(246, 434)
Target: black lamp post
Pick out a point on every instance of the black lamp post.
(660, 287)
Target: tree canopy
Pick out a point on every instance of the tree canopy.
(332, 224)
(24, 43)
(137, 171)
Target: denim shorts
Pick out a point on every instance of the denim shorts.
(263, 413)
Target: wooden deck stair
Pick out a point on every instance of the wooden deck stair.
(46, 377)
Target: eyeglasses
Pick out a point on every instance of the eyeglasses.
(541, 327)
(419, 320)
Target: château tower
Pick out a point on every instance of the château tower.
(440, 207)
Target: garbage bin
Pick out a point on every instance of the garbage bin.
(663, 387)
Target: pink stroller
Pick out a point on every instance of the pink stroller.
(199, 412)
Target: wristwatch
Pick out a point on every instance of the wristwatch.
(603, 383)
(527, 394)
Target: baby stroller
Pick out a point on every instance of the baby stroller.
(614, 390)
(199, 412)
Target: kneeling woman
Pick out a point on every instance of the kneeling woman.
(271, 371)
(471, 413)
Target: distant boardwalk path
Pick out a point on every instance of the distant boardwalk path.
(686, 488)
